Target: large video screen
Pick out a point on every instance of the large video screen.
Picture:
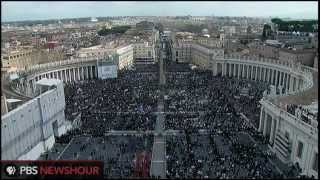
(107, 71)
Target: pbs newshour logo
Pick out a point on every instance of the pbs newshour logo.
(11, 170)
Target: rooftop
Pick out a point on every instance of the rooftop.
(298, 51)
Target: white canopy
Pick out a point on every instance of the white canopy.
(13, 100)
(48, 82)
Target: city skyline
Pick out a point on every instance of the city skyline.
(14, 11)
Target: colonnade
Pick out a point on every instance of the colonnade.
(268, 124)
(274, 76)
(67, 75)
(70, 74)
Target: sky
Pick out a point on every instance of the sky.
(41, 10)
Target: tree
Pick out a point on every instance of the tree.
(114, 30)
(302, 26)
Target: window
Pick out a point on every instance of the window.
(300, 149)
(176, 53)
(315, 163)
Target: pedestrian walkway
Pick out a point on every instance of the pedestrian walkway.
(158, 162)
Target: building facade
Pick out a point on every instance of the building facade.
(30, 129)
(264, 50)
(305, 56)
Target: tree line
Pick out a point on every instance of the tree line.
(301, 26)
(114, 30)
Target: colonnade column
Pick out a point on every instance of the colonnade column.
(268, 71)
(87, 72)
(234, 70)
(294, 84)
(94, 71)
(69, 75)
(299, 84)
(33, 82)
(239, 71)
(222, 68)
(252, 72)
(273, 129)
(256, 75)
(230, 70)
(261, 120)
(243, 71)
(79, 77)
(281, 79)
(82, 73)
(272, 76)
(91, 70)
(74, 74)
(291, 84)
(264, 77)
(259, 73)
(265, 124)
(247, 77)
(288, 81)
(278, 78)
(65, 75)
(60, 75)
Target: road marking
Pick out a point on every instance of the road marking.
(160, 142)
(157, 161)
(64, 149)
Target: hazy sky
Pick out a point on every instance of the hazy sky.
(32, 10)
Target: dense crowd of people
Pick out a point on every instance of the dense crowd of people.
(214, 155)
(194, 101)
(124, 103)
(118, 153)
(193, 92)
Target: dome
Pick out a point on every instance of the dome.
(205, 31)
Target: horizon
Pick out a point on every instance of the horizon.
(41, 11)
(52, 19)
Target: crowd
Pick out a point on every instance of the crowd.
(100, 123)
(215, 155)
(193, 92)
(117, 152)
(197, 101)
(194, 101)
(124, 103)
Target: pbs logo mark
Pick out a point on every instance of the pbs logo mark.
(11, 170)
